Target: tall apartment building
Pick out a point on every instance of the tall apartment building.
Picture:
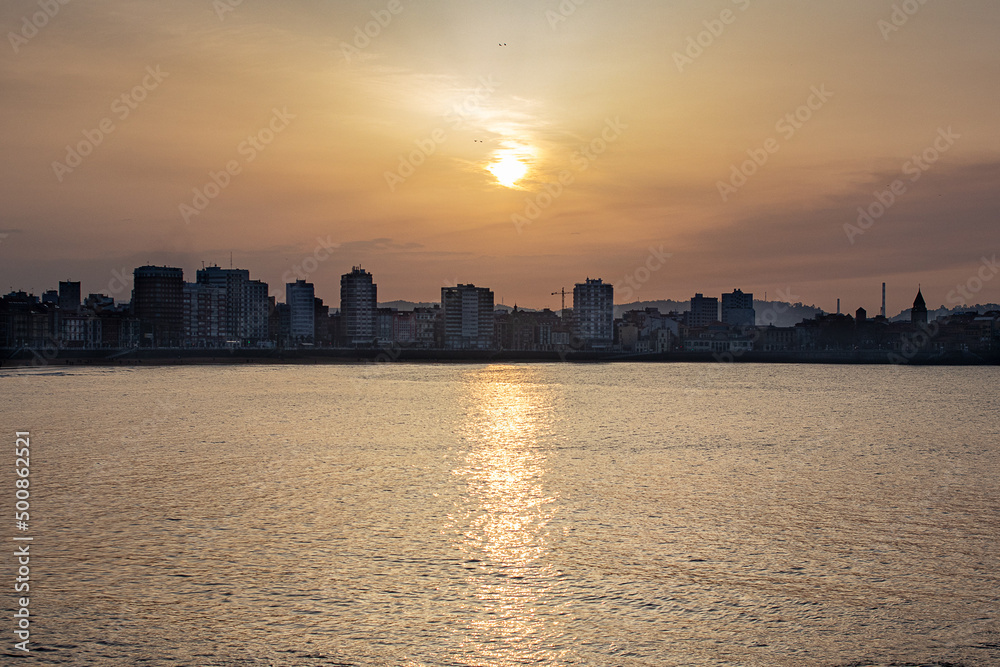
(594, 313)
(358, 307)
(69, 296)
(704, 311)
(468, 317)
(158, 304)
(738, 310)
(246, 303)
(205, 321)
(301, 299)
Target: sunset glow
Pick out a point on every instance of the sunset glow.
(801, 147)
(508, 170)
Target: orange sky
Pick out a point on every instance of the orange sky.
(630, 133)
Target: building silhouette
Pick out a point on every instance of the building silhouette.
(918, 314)
(468, 317)
(158, 304)
(594, 313)
(205, 322)
(704, 311)
(301, 299)
(737, 309)
(246, 303)
(358, 307)
(69, 296)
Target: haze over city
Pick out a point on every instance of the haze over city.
(520, 145)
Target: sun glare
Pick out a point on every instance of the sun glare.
(508, 170)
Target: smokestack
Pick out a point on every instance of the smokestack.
(838, 306)
(883, 300)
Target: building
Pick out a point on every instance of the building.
(321, 323)
(428, 327)
(594, 313)
(158, 304)
(704, 311)
(468, 317)
(79, 330)
(526, 331)
(69, 297)
(301, 299)
(737, 309)
(246, 303)
(358, 307)
(404, 327)
(205, 320)
(918, 315)
(384, 318)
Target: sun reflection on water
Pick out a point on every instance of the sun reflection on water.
(504, 522)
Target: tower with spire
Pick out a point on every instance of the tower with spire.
(918, 315)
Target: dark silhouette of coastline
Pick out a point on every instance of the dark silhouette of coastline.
(153, 357)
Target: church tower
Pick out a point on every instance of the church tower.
(918, 315)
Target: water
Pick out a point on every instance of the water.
(548, 514)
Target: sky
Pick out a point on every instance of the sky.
(806, 149)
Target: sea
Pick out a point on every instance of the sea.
(422, 514)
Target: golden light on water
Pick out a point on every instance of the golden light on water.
(505, 527)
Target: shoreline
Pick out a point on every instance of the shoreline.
(167, 357)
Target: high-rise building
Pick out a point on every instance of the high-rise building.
(468, 317)
(246, 303)
(69, 296)
(300, 297)
(158, 304)
(358, 307)
(704, 311)
(738, 310)
(594, 313)
(205, 321)
(256, 310)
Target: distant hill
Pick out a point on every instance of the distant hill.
(410, 305)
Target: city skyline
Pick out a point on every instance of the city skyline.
(119, 288)
(689, 148)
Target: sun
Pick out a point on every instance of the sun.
(508, 170)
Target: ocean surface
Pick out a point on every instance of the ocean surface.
(524, 514)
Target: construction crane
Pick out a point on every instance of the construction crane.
(563, 292)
